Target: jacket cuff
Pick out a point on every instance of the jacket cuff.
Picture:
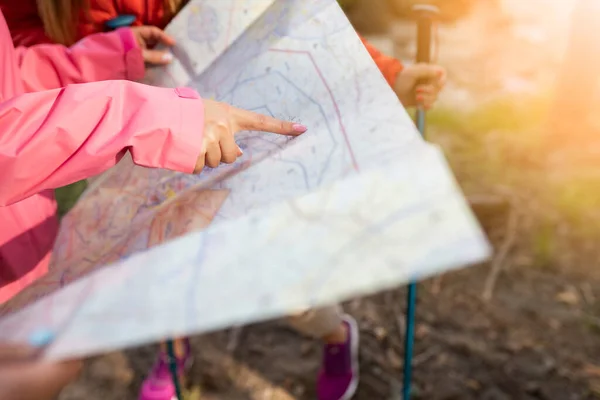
(135, 68)
(186, 143)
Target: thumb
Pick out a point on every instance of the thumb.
(157, 57)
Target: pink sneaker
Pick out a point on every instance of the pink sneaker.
(338, 378)
(159, 384)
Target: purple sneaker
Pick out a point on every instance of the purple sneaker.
(338, 377)
(159, 384)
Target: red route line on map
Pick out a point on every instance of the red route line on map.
(335, 105)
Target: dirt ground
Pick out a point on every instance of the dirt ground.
(537, 338)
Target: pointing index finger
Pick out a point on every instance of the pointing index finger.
(250, 121)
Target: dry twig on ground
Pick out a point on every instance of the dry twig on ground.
(505, 247)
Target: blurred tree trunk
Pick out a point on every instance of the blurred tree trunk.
(370, 17)
(578, 83)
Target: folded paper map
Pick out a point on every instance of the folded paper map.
(358, 204)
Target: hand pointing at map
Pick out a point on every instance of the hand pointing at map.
(222, 122)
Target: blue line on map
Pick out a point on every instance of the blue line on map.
(237, 85)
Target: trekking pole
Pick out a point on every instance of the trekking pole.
(172, 358)
(425, 14)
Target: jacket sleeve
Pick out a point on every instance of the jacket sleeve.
(390, 67)
(53, 138)
(103, 56)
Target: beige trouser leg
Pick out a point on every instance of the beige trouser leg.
(317, 322)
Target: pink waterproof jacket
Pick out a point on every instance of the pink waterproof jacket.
(55, 131)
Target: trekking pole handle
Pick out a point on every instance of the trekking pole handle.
(425, 14)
